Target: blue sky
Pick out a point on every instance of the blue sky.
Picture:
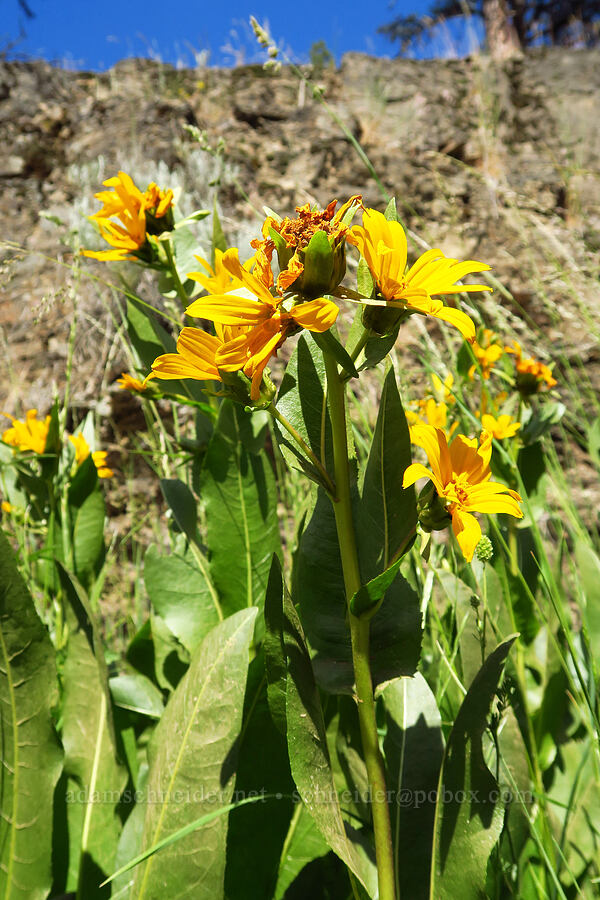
(86, 34)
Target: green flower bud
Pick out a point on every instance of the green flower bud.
(433, 515)
(484, 549)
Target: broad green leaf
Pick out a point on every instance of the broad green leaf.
(83, 482)
(182, 504)
(302, 399)
(319, 590)
(242, 529)
(96, 777)
(538, 421)
(328, 343)
(31, 756)
(303, 844)
(147, 335)
(377, 348)
(193, 756)
(130, 842)
(387, 515)
(185, 246)
(469, 812)
(257, 831)
(462, 597)
(352, 768)
(275, 662)
(309, 754)
(181, 592)
(88, 536)
(413, 749)
(137, 693)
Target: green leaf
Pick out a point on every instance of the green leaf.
(364, 279)
(391, 212)
(302, 400)
(96, 776)
(182, 593)
(367, 599)
(275, 662)
(171, 659)
(309, 754)
(303, 844)
(192, 767)
(377, 348)
(88, 537)
(31, 757)
(83, 482)
(182, 504)
(257, 831)
(147, 335)
(538, 422)
(319, 590)
(185, 246)
(328, 343)
(387, 516)
(138, 694)
(413, 749)
(130, 842)
(240, 503)
(469, 813)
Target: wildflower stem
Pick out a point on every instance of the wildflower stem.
(359, 631)
(181, 292)
(327, 482)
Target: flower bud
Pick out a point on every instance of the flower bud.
(484, 549)
(433, 515)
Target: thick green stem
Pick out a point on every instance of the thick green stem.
(359, 630)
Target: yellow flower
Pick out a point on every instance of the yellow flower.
(501, 427)
(442, 390)
(82, 451)
(266, 322)
(28, 435)
(382, 243)
(291, 239)
(486, 353)
(531, 373)
(217, 280)
(130, 383)
(6, 506)
(432, 413)
(461, 476)
(196, 354)
(137, 213)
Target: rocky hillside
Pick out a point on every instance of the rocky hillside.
(500, 164)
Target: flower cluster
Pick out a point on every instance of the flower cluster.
(253, 313)
(139, 215)
(31, 436)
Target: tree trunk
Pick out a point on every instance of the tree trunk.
(502, 38)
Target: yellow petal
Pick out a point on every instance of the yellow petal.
(467, 530)
(315, 315)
